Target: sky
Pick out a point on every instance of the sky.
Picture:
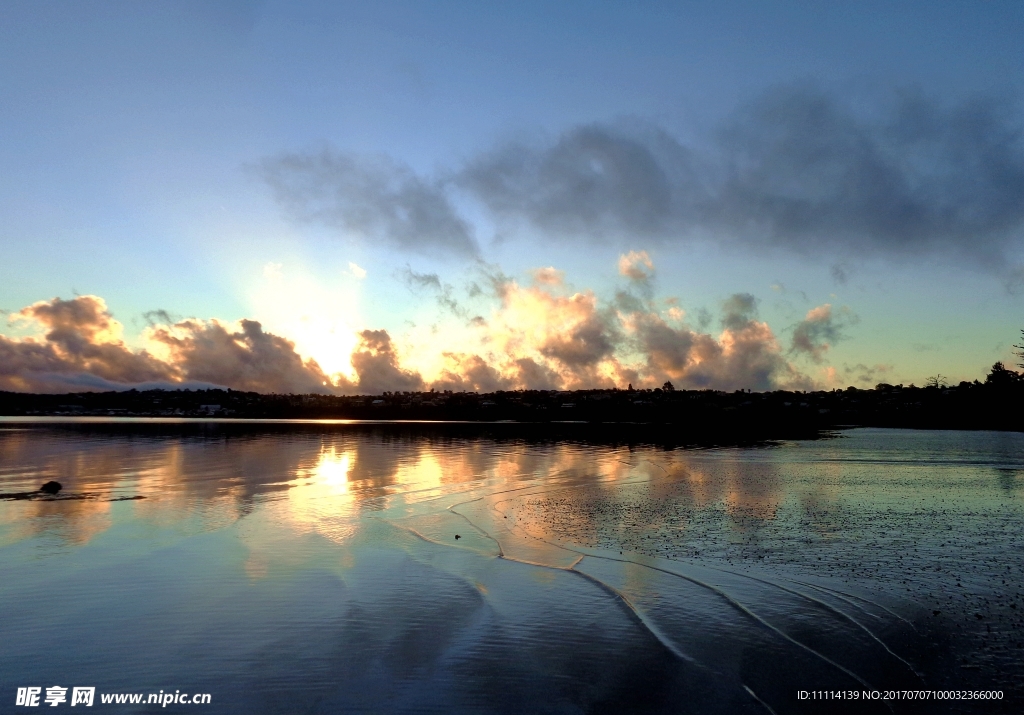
(366, 197)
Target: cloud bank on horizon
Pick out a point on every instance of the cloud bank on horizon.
(797, 170)
(537, 336)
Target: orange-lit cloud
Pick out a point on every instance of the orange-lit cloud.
(244, 359)
(746, 354)
(540, 333)
(541, 337)
(548, 276)
(636, 265)
(81, 347)
(537, 336)
(377, 366)
(819, 330)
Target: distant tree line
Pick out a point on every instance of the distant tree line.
(992, 404)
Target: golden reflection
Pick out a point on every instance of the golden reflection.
(320, 500)
(320, 484)
(317, 500)
(426, 473)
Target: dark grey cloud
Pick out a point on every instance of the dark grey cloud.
(158, 317)
(443, 292)
(738, 310)
(867, 376)
(804, 170)
(800, 169)
(376, 198)
(595, 180)
(840, 272)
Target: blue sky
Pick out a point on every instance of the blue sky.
(217, 161)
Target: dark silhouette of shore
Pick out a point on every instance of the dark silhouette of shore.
(661, 414)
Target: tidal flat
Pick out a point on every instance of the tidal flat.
(328, 567)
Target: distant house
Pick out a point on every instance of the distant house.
(209, 409)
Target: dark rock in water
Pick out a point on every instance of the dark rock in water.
(457, 536)
(50, 488)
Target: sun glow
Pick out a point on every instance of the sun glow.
(320, 319)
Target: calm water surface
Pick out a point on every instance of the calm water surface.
(346, 568)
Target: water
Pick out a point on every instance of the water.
(315, 568)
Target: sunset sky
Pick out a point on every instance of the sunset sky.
(359, 197)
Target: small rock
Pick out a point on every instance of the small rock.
(457, 536)
(50, 488)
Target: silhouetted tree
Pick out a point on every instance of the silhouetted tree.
(1001, 377)
(1020, 350)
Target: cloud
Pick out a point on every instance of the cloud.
(246, 358)
(356, 270)
(535, 337)
(596, 181)
(799, 170)
(375, 198)
(746, 355)
(444, 292)
(548, 276)
(636, 265)
(859, 374)
(538, 338)
(82, 341)
(738, 310)
(471, 373)
(571, 334)
(155, 317)
(819, 330)
(531, 375)
(807, 172)
(81, 349)
(840, 272)
(377, 366)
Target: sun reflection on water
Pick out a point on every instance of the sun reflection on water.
(320, 500)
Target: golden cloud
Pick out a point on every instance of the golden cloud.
(538, 336)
